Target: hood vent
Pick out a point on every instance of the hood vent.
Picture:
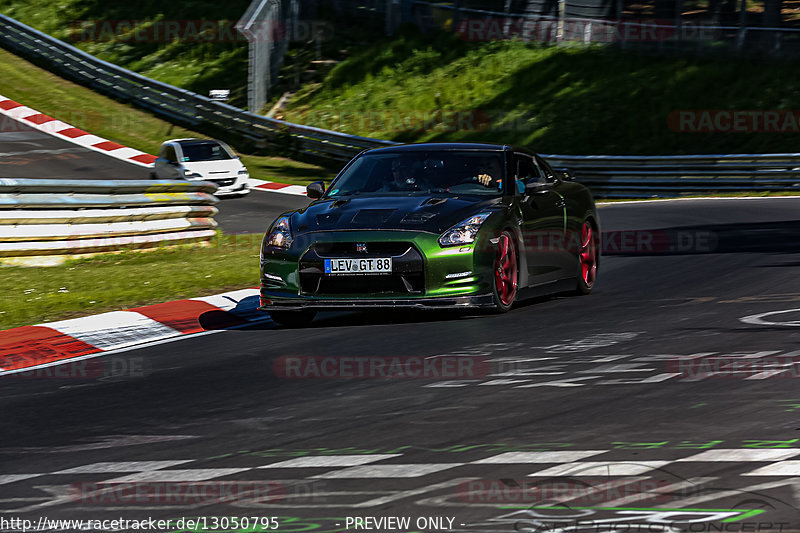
(420, 217)
(372, 217)
(328, 219)
(433, 201)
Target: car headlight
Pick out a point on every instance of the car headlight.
(280, 235)
(464, 232)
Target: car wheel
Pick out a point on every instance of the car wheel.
(587, 259)
(505, 273)
(293, 319)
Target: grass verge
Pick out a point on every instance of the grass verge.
(114, 281)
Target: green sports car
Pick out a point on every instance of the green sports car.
(433, 226)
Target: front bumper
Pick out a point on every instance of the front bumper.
(228, 186)
(235, 189)
(481, 301)
(424, 276)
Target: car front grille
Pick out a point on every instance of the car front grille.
(348, 249)
(407, 276)
(223, 182)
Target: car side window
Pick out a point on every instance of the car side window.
(526, 168)
(547, 170)
(169, 154)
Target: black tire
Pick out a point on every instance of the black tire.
(293, 319)
(587, 263)
(508, 277)
(153, 176)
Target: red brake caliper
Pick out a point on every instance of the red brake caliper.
(587, 254)
(504, 272)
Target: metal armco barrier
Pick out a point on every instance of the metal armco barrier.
(41, 217)
(607, 176)
(670, 176)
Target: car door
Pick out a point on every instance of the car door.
(572, 225)
(542, 210)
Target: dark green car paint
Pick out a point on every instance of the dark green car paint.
(538, 221)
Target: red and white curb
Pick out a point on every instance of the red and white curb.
(67, 132)
(271, 186)
(54, 343)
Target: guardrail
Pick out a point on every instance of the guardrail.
(669, 176)
(40, 217)
(607, 176)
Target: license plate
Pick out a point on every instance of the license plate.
(371, 265)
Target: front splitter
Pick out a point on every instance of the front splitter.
(481, 301)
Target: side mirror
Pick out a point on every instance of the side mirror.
(537, 187)
(315, 190)
(564, 173)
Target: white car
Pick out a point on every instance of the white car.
(202, 160)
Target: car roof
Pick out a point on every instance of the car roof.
(447, 147)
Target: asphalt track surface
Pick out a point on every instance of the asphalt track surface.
(28, 153)
(574, 396)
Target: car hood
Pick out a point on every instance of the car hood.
(434, 213)
(215, 169)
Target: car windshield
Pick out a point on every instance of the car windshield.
(205, 151)
(423, 172)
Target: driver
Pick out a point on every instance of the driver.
(489, 172)
(403, 179)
